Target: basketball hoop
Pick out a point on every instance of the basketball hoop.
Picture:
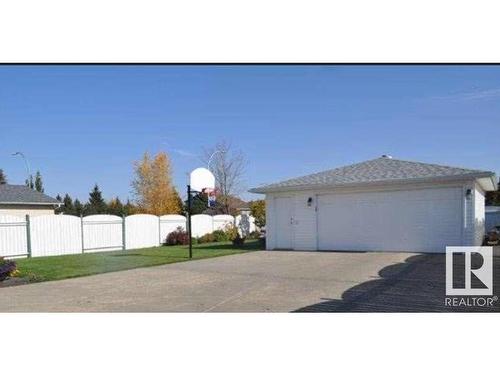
(201, 180)
(211, 196)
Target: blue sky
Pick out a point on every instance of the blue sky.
(81, 125)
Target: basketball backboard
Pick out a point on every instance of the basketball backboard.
(202, 178)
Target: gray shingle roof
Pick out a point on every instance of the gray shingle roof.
(20, 194)
(380, 170)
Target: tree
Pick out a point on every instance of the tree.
(228, 166)
(79, 208)
(96, 204)
(258, 211)
(38, 182)
(493, 197)
(29, 182)
(152, 186)
(129, 208)
(3, 177)
(179, 202)
(115, 207)
(60, 209)
(199, 204)
(68, 208)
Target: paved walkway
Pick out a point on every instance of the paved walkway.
(251, 282)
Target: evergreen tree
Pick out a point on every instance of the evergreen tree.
(38, 182)
(3, 177)
(68, 208)
(96, 204)
(29, 182)
(129, 208)
(199, 204)
(60, 209)
(78, 208)
(115, 207)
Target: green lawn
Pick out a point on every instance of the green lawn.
(69, 266)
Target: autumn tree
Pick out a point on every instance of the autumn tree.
(152, 186)
(258, 211)
(115, 207)
(129, 208)
(228, 166)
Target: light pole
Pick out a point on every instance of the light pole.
(26, 163)
(212, 156)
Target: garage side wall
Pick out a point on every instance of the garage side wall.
(479, 216)
(270, 225)
(304, 220)
(304, 224)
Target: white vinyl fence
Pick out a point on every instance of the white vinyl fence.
(65, 234)
(102, 233)
(13, 236)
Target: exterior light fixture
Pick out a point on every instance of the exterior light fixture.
(468, 194)
(309, 202)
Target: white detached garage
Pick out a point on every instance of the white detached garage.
(379, 205)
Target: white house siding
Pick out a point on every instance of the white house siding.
(270, 228)
(474, 215)
(305, 222)
(479, 215)
(23, 210)
(464, 215)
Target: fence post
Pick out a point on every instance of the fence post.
(124, 246)
(28, 235)
(159, 230)
(81, 230)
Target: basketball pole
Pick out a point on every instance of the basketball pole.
(189, 223)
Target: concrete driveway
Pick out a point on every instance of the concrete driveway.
(252, 282)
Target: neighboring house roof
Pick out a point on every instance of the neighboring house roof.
(20, 194)
(234, 203)
(492, 209)
(383, 170)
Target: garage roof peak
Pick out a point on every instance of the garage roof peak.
(382, 171)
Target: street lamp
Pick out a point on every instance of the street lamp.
(212, 156)
(26, 163)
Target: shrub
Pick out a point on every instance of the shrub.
(239, 241)
(7, 268)
(255, 235)
(234, 235)
(220, 236)
(231, 232)
(262, 243)
(178, 237)
(207, 238)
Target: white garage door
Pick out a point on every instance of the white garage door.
(417, 220)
